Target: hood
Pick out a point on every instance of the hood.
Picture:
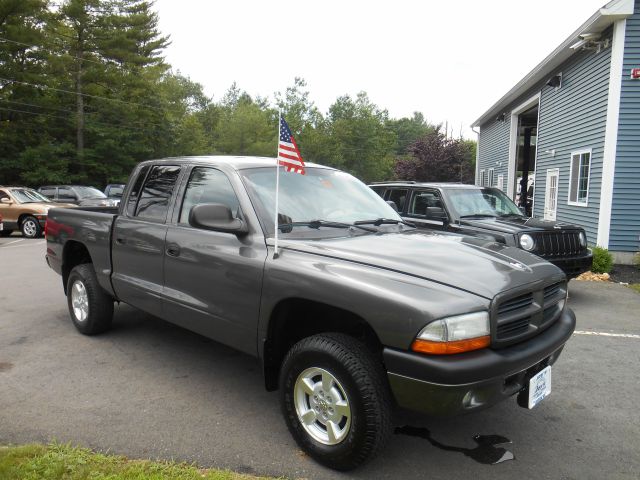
(518, 224)
(478, 266)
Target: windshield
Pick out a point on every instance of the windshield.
(26, 195)
(89, 192)
(319, 194)
(488, 202)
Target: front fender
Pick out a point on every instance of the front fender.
(395, 305)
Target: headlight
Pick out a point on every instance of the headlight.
(583, 239)
(526, 242)
(461, 333)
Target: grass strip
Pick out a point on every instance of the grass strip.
(64, 462)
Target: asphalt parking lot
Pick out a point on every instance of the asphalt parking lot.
(148, 389)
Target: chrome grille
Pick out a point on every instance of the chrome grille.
(551, 244)
(523, 315)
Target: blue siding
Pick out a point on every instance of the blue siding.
(625, 211)
(574, 118)
(494, 148)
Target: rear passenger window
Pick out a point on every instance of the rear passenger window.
(399, 197)
(207, 185)
(156, 193)
(48, 192)
(135, 191)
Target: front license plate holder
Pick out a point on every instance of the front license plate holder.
(539, 387)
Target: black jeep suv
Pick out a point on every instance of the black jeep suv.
(487, 212)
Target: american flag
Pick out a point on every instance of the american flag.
(288, 153)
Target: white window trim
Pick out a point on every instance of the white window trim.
(491, 176)
(500, 183)
(579, 152)
(481, 178)
(513, 140)
(555, 171)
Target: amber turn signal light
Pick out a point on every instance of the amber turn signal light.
(449, 348)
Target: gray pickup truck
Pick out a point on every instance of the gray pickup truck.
(357, 311)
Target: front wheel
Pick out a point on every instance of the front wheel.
(336, 400)
(30, 227)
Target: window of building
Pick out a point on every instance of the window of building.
(491, 177)
(500, 184)
(481, 179)
(579, 178)
(156, 193)
(208, 185)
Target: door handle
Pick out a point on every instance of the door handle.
(120, 241)
(173, 250)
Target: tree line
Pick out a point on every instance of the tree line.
(85, 94)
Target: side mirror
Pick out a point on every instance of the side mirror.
(6, 200)
(436, 213)
(217, 217)
(393, 205)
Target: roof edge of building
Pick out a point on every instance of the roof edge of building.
(598, 22)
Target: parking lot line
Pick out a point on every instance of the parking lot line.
(15, 241)
(9, 246)
(606, 334)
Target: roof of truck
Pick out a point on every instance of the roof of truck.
(411, 183)
(237, 162)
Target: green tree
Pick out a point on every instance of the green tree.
(361, 143)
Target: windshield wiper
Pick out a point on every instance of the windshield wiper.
(287, 227)
(479, 215)
(382, 221)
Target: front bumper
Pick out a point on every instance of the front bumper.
(573, 266)
(453, 384)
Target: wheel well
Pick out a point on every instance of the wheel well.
(295, 319)
(22, 217)
(75, 253)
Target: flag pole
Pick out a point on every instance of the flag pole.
(275, 221)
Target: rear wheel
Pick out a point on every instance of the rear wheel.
(91, 308)
(336, 400)
(30, 227)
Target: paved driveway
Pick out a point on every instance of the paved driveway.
(149, 389)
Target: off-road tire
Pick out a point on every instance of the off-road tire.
(364, 381)
(30, 227)
(100, 304)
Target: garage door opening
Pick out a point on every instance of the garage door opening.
(525, 164)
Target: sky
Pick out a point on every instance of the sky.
(450, 60)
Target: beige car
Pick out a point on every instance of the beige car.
(25, 209)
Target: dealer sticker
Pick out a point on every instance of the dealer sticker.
(539, 387)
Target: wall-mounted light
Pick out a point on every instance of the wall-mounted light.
(555, 81)
(590, 41)
(500, 117)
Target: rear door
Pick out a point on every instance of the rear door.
(213, 280)
(139, 238)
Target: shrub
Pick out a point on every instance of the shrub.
(636, 260)
(602, 260)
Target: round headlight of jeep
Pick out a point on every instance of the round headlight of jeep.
(583, 239)
(526, 242)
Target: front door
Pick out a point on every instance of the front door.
(213, 280)
(139, 237)
(551, 194)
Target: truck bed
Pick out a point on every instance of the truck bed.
(83, 227)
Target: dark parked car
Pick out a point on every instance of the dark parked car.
(114, 190)
(356, 310)
(78, 195)
(488, 213)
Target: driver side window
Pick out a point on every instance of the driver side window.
(207, 185)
